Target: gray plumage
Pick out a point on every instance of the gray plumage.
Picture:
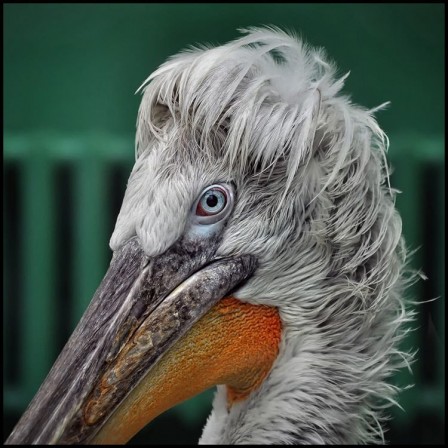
(312, 203)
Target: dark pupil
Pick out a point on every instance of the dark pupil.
(212, 200)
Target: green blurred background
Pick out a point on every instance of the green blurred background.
(70, 73)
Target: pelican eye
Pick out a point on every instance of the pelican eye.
(214, 204)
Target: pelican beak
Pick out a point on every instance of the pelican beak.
(141, 309)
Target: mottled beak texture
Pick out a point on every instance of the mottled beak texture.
(142, 307)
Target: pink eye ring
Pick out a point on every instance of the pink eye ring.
(212, 202)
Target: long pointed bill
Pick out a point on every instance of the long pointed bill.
(142, 307)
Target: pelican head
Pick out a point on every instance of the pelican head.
(257, 249)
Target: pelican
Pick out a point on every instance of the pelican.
(257, 249)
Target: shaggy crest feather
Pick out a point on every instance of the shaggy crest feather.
(265, 112)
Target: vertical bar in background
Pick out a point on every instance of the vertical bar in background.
(37, 233)
(408, 179)
(90, 239)
(441, 286)
(6, 270)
